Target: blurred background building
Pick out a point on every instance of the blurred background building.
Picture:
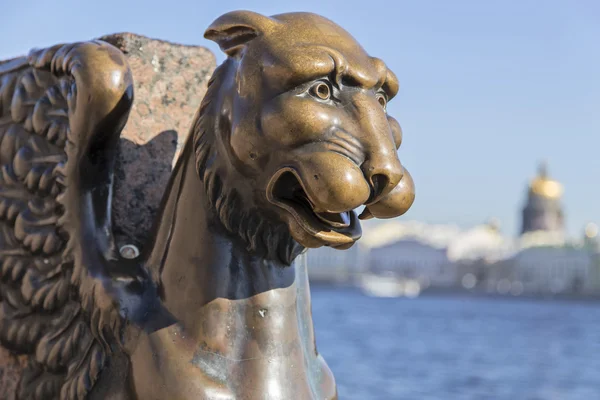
(543, 209)
(413, 256)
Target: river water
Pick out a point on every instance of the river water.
(458, 348)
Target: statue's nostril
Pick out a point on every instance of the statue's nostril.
(379, 183)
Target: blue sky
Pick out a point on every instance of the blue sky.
(488, 88)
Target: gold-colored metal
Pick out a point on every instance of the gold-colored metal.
(291, 137)
(544, 186)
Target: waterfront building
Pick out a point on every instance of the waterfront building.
(409, 258)
(543, 209)
(334, 266)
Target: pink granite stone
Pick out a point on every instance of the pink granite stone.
(170, 82)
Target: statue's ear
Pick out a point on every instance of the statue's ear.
(234, 30)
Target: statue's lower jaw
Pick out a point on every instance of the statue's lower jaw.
(316, 226)
(335, 239)
(341, 238)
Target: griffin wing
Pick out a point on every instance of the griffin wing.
(62, 110)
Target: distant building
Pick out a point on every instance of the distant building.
(592, 246)
(412, 259)
(543, 209)
(334, 266)
(553, 270)
(436, 255)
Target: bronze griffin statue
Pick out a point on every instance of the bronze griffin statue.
(291, 137)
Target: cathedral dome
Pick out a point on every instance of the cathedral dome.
(543, 211)
(545, 187)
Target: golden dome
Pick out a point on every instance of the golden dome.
(543, 186)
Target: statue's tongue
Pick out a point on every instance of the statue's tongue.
(337, 220)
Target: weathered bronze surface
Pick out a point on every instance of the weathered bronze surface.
(291, 137)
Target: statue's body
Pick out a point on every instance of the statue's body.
(291, 136)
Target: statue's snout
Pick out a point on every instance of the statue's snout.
(395, 203)
(377, 133)
(382, 173)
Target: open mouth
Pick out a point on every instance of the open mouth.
(286, 191)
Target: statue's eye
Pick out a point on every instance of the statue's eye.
(382, 99)
(321, 90)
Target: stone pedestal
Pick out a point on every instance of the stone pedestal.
(170, 82)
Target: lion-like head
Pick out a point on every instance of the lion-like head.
(301, 134)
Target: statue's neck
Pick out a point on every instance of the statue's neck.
(198, 264)
(238, 313)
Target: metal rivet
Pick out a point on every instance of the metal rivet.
(129, 251)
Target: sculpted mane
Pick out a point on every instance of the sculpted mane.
(262, 235)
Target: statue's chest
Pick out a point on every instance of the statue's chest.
(252, 352)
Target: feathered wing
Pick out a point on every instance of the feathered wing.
(61, 113)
